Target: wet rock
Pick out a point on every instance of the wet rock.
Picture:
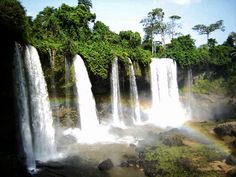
(132, 160)
(52, 165)
(231, 160)
(105, 165)
(124, 164)
(132, 145)
(234, 143)
(224, 129)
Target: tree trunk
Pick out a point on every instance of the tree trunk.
(163, 39)
(208, 37)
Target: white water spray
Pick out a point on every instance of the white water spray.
(85, 101)
(67, 80)
(189, 92)
(21, 92)
(116, 100)
(134, 94)
(166, 108)
(40, 112)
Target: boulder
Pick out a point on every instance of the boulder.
(124, 164)
(172, 140)
(132, 160)
(132, 145)
(224, 129)
(105, 165)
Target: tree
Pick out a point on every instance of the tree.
(101, 32)
(13, 21)
(173, 25)
(153, 24)
(207, 30)
(231, 40)
(183, 50)
(212, 42)
(130, 39)
(87, 3)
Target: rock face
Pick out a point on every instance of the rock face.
(212, 106)
(224, 129)
(105, 165)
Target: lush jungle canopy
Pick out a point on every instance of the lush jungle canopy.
(60, 33)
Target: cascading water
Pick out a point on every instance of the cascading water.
(21, 92)
(85, 101)
(166, 108)
(115, 88)
(40, 112)
(189, 92)
(67, 80)
(134, 94)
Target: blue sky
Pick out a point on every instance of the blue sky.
(126, 14)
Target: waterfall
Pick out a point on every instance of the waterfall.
(40, 112)
(52, 75)
(134, 94)
(189, 92)
(67, 80)
(85, 101)
(115, 88)
(22, 103)
(166, 108)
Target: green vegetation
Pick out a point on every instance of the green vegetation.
(206, 86)
(62, 32)
(13, 21)
(185, 155)
(207, 30)
(184, 161)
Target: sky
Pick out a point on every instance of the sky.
(121, 15)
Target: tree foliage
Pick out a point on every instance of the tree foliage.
(207, 30)
(173, 25)
(13, 21)
(87, 3)
(153, 24)
(182, 49)
(130, 39)
(62, 32)
(65, 31)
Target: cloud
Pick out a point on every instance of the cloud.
(180, 2)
